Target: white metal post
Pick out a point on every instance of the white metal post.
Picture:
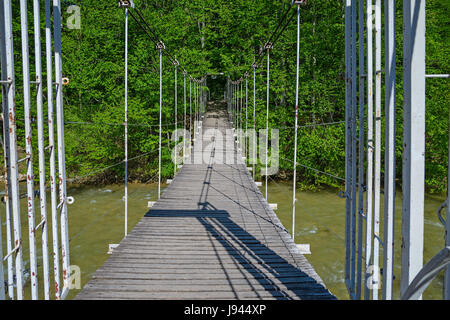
(348, 139)
(268, 46)
(190, 112)
(126, 122)
(446, 290)
(184, 121)
(389, 175)
(370, 147)
(413, 140)
(51, 139)
(160, 47)
(13, 156)
(361, 145)
(5, 88)
(176, 118)
(294, 182)
(246, 117)
(354, 149)
(6, 155)
(377, 168)
(254, 119)
(41, 148)
(28, 148)
(61, 149)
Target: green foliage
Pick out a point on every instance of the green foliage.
(222, 36)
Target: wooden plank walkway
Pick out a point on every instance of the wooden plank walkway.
(212, 235)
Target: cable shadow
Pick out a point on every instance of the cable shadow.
(273, 273)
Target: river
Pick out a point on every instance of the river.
(96, 219)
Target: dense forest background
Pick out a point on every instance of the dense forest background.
(222, 36)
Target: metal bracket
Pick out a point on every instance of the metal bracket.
(379, 240)
(160, 46)
(342, 195)
(268, 46)
(23, 159)
(439, 214)
(126, 4)
(427, 274)
(176, 63)
(437, 76)
(111, 247)
(43, 221)
(6, 82)
(12, 251)
(299, 2)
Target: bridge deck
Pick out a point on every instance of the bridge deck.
(212, 235)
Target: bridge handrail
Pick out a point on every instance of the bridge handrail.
(427, 274)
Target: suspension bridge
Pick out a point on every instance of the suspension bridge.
(212, 234)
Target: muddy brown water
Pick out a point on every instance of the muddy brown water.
(96, 219)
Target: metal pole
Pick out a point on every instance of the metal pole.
(370, 147)
(198, 105)
(41, 147)
(246, 116)
(437, 76)
(348, 139)
(160, 46)
(413, 141)
(126, 121)
(361, 149)
(5, 88)
(14, 167)
(184, 133)
(190, 110)
(446, 288)
(176, 119)
(354, 147)
(268, 47)
(294, 183)
(389, 176)
(28, 149)
(254, 119)
(195, 110)
(377, 170)
(51, 139)
(6, 154)
(53, 192)
(235, 108)
(241, 100)
(61, 149)
(242, 144)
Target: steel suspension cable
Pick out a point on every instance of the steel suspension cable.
(160, 46)
(176, 120)
(260, 56)
(254, 118)
(314, 169)
(184, 121)
(241, 101)
(268, 46)
(126, 122)
(190, 110)
(294, 183)
(246, 115)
